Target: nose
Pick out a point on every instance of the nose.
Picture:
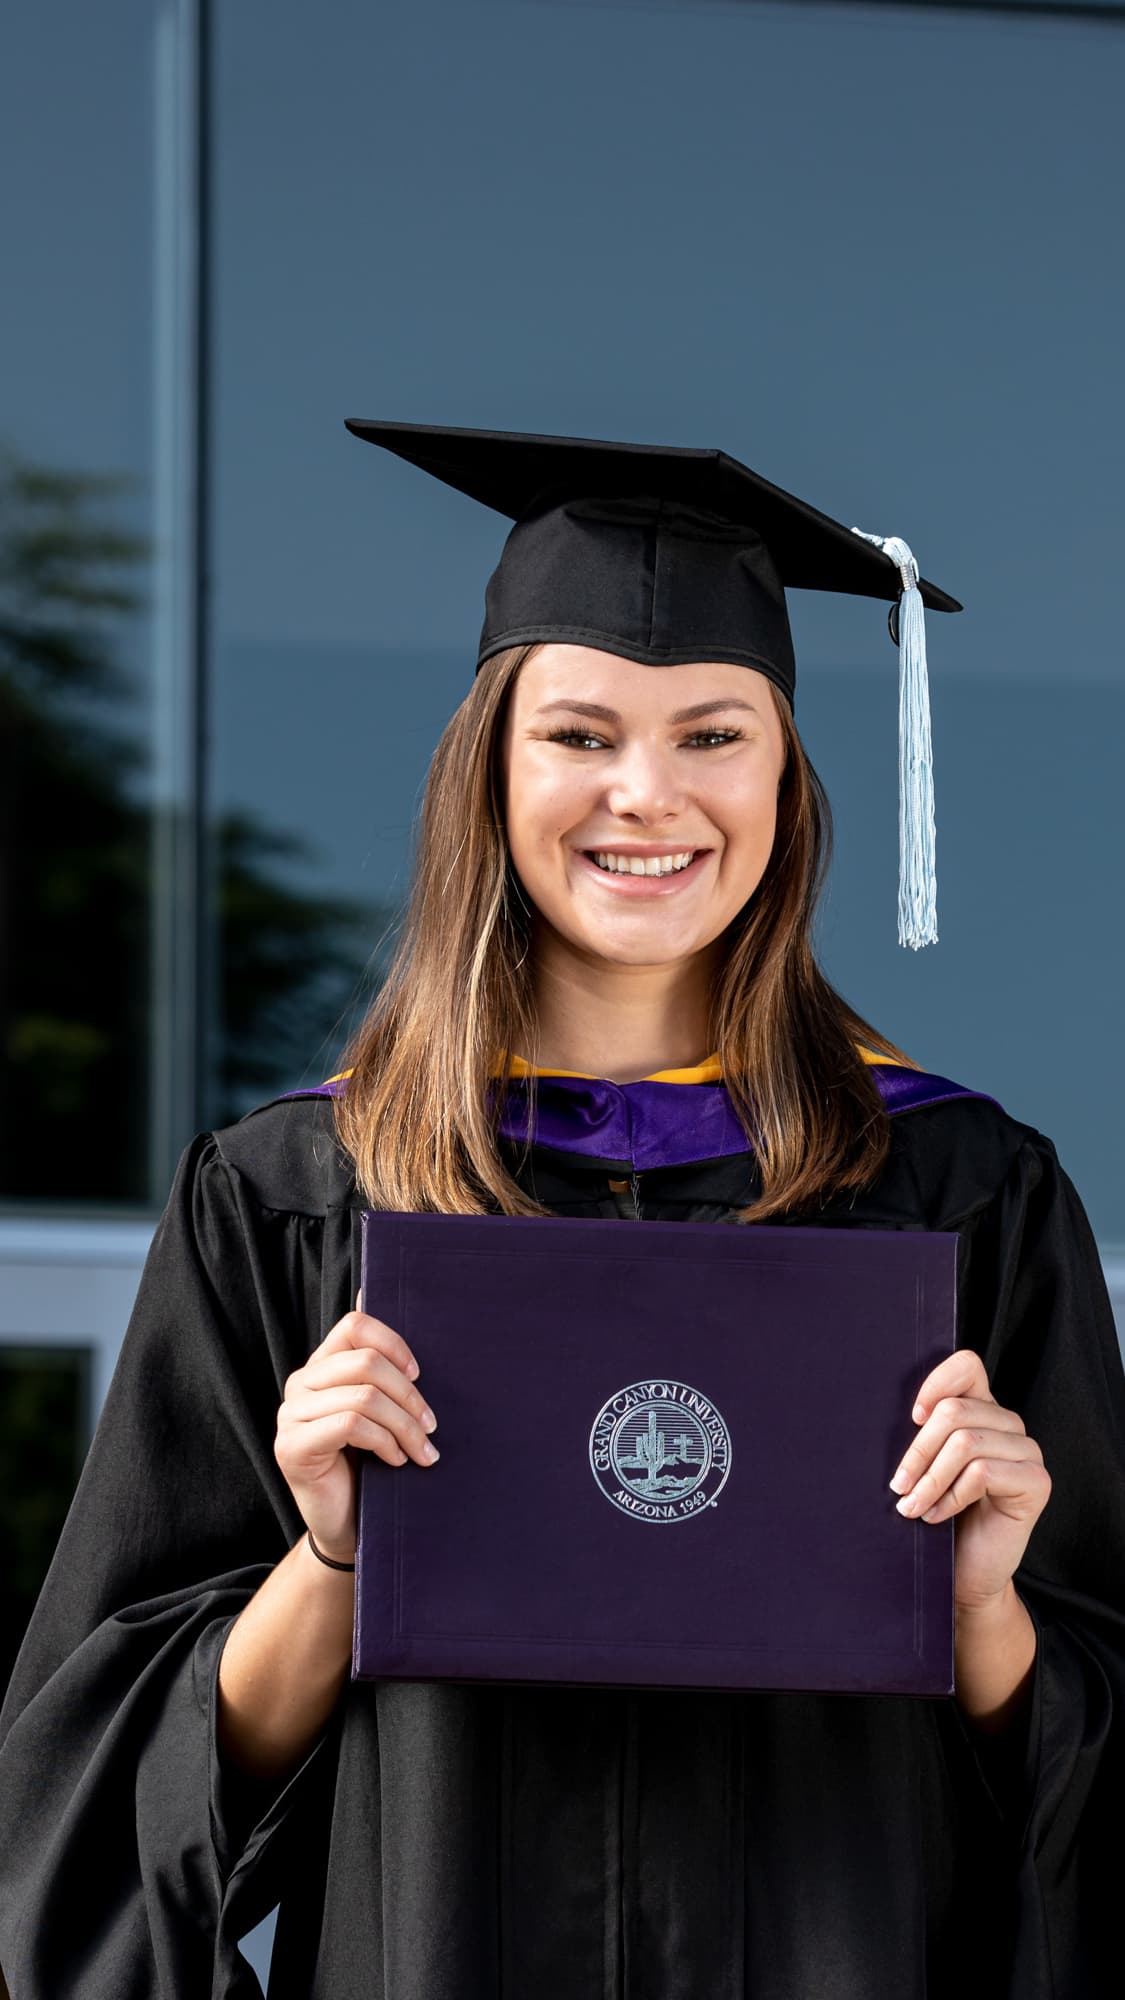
(646, 783)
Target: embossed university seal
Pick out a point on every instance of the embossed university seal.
(660, 1451)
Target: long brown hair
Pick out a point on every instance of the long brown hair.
(417, 1114)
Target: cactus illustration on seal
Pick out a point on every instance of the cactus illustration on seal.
(653, 1449)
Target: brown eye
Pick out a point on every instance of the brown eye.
(572, 735)
(710, 739)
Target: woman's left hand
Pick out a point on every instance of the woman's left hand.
(973, 1459)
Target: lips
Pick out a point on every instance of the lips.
(646, 885)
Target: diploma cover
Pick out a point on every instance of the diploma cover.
(665, 1450)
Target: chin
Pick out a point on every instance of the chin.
(616, 950)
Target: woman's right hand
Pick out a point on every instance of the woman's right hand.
(354, 1389)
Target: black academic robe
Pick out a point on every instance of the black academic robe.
(452, 1841)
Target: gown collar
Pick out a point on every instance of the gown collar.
(672, 1118)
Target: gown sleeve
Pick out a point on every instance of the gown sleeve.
(131, 1861)
(1036, 1308)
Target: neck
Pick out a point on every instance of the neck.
(620, 1021)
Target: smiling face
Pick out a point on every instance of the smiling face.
(675, 760)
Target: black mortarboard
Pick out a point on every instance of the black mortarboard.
(667, 554)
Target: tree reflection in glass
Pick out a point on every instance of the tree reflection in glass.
(76, 871)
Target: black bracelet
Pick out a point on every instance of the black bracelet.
(328, 1561)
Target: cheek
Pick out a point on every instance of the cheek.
(543, 801)
(748, 812)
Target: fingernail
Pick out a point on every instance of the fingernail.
(900, 1482)
(430, 1452)
(907, 1504)
(918, 1412)
(429, 1421)
(413, 1371)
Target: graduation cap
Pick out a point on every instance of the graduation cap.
(667, 554)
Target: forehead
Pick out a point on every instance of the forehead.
(567, 674)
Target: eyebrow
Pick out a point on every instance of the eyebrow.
(691, 714)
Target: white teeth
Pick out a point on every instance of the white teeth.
(636, 864)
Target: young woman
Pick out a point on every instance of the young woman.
(620, 853)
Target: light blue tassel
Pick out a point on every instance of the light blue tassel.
(917, 831)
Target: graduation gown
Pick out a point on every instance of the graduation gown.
(460, 1841)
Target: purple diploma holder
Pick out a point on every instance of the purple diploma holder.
(665, 1450)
